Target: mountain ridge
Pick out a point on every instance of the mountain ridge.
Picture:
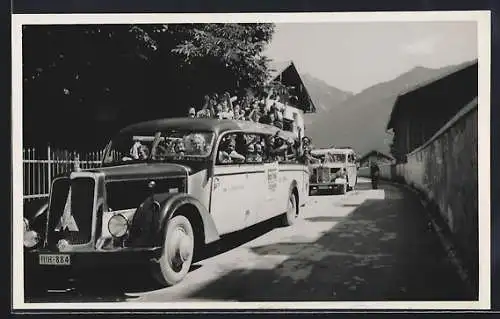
(361, 119)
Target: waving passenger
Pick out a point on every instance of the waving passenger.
(207, 110)
(228, 153)
(139, 151)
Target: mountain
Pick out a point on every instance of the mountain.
(360, 121)
(325, 97)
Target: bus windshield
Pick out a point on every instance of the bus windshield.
(329, 157)
(159, 146)
(338, 158)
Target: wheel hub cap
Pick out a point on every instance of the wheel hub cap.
(185, 247)
(181, 248)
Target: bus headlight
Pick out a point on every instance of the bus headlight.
(118, 225)
(30, 239)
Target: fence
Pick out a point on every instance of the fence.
(40, 166)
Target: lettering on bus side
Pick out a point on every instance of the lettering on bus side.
(272, 179)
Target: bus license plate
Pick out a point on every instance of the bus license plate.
(55, 260)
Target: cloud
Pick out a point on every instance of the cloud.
(425, 46)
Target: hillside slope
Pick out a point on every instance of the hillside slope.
(324, 96)
(361, 120)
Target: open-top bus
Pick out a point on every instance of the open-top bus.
(335, 169)
(165, 189)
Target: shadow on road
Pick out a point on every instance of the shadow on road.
(236, 239)
(325, 219)
(110, 285)
(383, 250)
(363, 185)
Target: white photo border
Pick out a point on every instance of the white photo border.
(484, 59)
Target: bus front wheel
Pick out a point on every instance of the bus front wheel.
(292, 211)
(177, 252)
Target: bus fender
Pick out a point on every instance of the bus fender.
(147, 225)
(173, 203)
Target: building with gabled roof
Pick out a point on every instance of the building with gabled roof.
(377, 157)
(421, 111)
(286, 73)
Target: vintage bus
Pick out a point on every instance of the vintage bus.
(165, 189)
(335, 169)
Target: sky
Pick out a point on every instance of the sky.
(354, 56)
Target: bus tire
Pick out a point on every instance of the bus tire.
(177, 252)
(292, 211)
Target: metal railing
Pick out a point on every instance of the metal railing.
(40, 166)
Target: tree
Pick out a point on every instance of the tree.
(83, 82)
(235, 48)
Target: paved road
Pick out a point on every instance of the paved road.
(366, 245)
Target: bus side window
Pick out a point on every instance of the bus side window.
(265, 148)
(254, 150)
(227, 152)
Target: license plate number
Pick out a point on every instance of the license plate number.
(323, 187)
(56, 260)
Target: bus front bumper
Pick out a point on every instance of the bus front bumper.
(327, 187)
(43, 260)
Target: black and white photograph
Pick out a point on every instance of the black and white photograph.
(271, 161)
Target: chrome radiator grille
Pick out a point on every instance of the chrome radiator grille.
(71, 210)
(323, 175)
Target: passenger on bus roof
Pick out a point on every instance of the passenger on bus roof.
(138, 150)
(207, 110)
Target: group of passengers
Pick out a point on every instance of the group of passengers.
(265, 109)
(234, 148)
(248, 148)
(192, 144)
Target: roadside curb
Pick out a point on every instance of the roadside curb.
(445, 240)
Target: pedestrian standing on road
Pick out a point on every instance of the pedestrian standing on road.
(374, 174)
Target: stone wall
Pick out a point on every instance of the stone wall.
(445, 170)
